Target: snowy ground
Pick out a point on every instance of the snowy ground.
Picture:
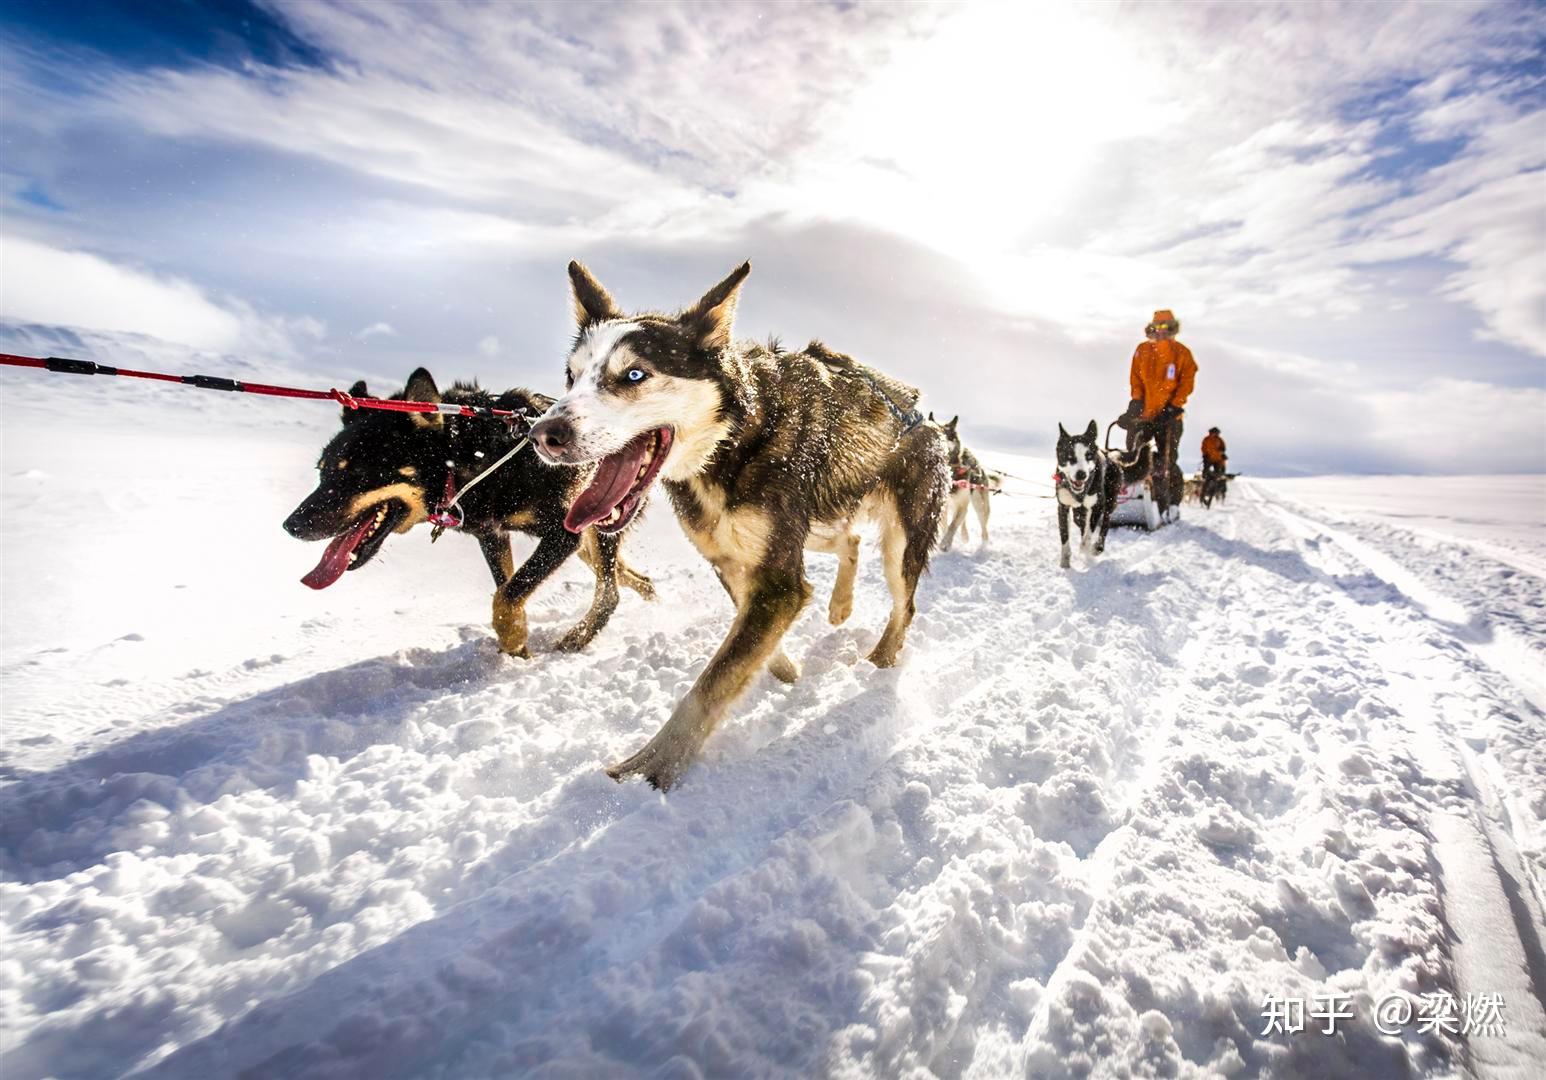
(1290, 747)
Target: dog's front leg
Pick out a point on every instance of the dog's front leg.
(734, 579)
(1105, 526)
(1081, 523)
(496, 552)
(599, 552)
(772, 602)
(980, 498)
(1065, 560)
(553, 548)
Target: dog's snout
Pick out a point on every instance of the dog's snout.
(553, 436)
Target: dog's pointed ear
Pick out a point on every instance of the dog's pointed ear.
(931, 416)
(592, 302)
(1092, 432)
(1062, 432)
(713, 317)
(421, 387)
(954, 420)
(357, 390)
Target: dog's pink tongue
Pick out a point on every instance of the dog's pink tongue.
(614, 477)
(335, 560)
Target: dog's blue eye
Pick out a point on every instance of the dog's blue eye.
(636, 374)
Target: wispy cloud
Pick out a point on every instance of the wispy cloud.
(1350, 189)
(376, 329)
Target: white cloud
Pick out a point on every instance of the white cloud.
(376, 329)
(984, 183)
(42, 284)
(51, 286)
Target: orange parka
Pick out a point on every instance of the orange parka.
(1213, 449)
(1163, 372)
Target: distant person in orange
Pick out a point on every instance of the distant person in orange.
(1214, 452)
(1161, 377)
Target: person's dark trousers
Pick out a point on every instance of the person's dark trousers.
(1166, 433)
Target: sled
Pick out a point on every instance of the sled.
(1136, 505)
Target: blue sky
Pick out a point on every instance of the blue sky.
(1346, 204)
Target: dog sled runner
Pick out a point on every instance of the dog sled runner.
(1137, 507)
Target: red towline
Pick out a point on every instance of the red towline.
(67, 366)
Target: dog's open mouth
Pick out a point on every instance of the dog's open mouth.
(353, 548)
(617, 490)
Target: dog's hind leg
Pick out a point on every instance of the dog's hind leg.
(773, 597)
(639, 583)
(599, 552)
(845, 546)
(980, 502)
(496, 552)
(904, 551)
(842, 604)
(912, 499)
(510, 600)
(1063, 560)
(627, 576)
(957, 520)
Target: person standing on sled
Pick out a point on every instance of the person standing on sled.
(1214, 453)
(1161, 379)
(1215, 460)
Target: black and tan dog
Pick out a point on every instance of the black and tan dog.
(385, 472)
(766, 454)
(1089, 480)
(971, 486)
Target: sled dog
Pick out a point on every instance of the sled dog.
(765, 454)
(1089, 480)
(385, 472)
(971, 486)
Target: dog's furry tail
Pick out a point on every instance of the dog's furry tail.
(1136, 468)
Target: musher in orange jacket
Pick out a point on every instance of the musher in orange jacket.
(1161, 379)
(1214, 453)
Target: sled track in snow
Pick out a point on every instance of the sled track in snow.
(1095, 817)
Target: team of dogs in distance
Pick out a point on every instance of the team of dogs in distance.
(764, 453)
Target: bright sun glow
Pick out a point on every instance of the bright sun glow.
(983, 109)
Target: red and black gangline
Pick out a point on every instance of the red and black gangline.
(66, 366)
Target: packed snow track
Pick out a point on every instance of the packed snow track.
(1089, 826)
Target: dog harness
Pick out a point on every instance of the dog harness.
(449, 514)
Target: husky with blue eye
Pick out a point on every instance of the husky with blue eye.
(1089, 480)
(766, 454)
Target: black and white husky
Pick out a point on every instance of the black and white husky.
(1089, 480)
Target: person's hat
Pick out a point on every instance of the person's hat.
(1213, 431)
(1164, 319)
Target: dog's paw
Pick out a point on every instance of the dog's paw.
(783, 669)
(643, 586)
(575, 639)
(839, 610)
(520, 652)
(660, 770)
(1064, 562)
